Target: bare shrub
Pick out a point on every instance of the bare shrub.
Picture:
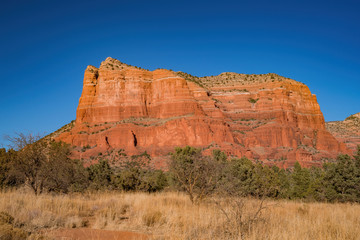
(242, 215)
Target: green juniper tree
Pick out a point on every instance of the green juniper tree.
(342, 179)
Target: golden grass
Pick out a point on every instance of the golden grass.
(171, 215)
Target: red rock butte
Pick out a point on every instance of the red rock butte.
(264, 117)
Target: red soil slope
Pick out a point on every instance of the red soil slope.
(94, 234)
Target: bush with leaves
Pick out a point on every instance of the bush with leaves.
(300, 182)
(241, 177)
(100, 175)
(237, 177)
(342, 180)
(194, 173)
(137, 174)
(64, 174)
(45, 165)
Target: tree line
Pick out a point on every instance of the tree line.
(46, 166)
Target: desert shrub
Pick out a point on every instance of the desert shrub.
(132, 173)
(252, 100)
(242, 216)
(100, 175)
(241, 177)
(127, 179)
(44, 165)
(342, 180)
(194, 173)
(237, 177)
(351, 118)
(136, 174)
(266, 181)
(64, 174)
(153, 181)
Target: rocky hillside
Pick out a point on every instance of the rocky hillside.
(265, 117)
(347, 131)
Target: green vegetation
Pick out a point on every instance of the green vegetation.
(190, 78)
(41, 165)
(233, 90)
(216, 100)
(352, 117)
(194, 173)
(252, 100)
(45, 166)
(84, 148)
(200, 176)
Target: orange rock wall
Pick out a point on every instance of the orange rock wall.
(278, 122)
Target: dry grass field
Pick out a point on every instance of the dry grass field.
(170, 215)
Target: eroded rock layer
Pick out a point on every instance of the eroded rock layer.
(347, 131)
(266, 117)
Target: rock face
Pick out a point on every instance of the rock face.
(347, 131)
(266, 117)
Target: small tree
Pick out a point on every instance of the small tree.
(63, 174)
(237, 177)
(136, 173)
(30, 161)
(196, 174)
(300, 182)
(100, 175)
(45, 165)
(342, 180)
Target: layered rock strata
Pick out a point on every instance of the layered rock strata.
(347, 131)
(266, 117)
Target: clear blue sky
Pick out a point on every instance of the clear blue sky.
(45, 47)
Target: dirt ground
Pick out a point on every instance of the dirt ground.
(94, 234)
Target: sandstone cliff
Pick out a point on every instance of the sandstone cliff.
(266, 117)
(347, 131)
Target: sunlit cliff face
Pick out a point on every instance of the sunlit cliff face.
(266, 117)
